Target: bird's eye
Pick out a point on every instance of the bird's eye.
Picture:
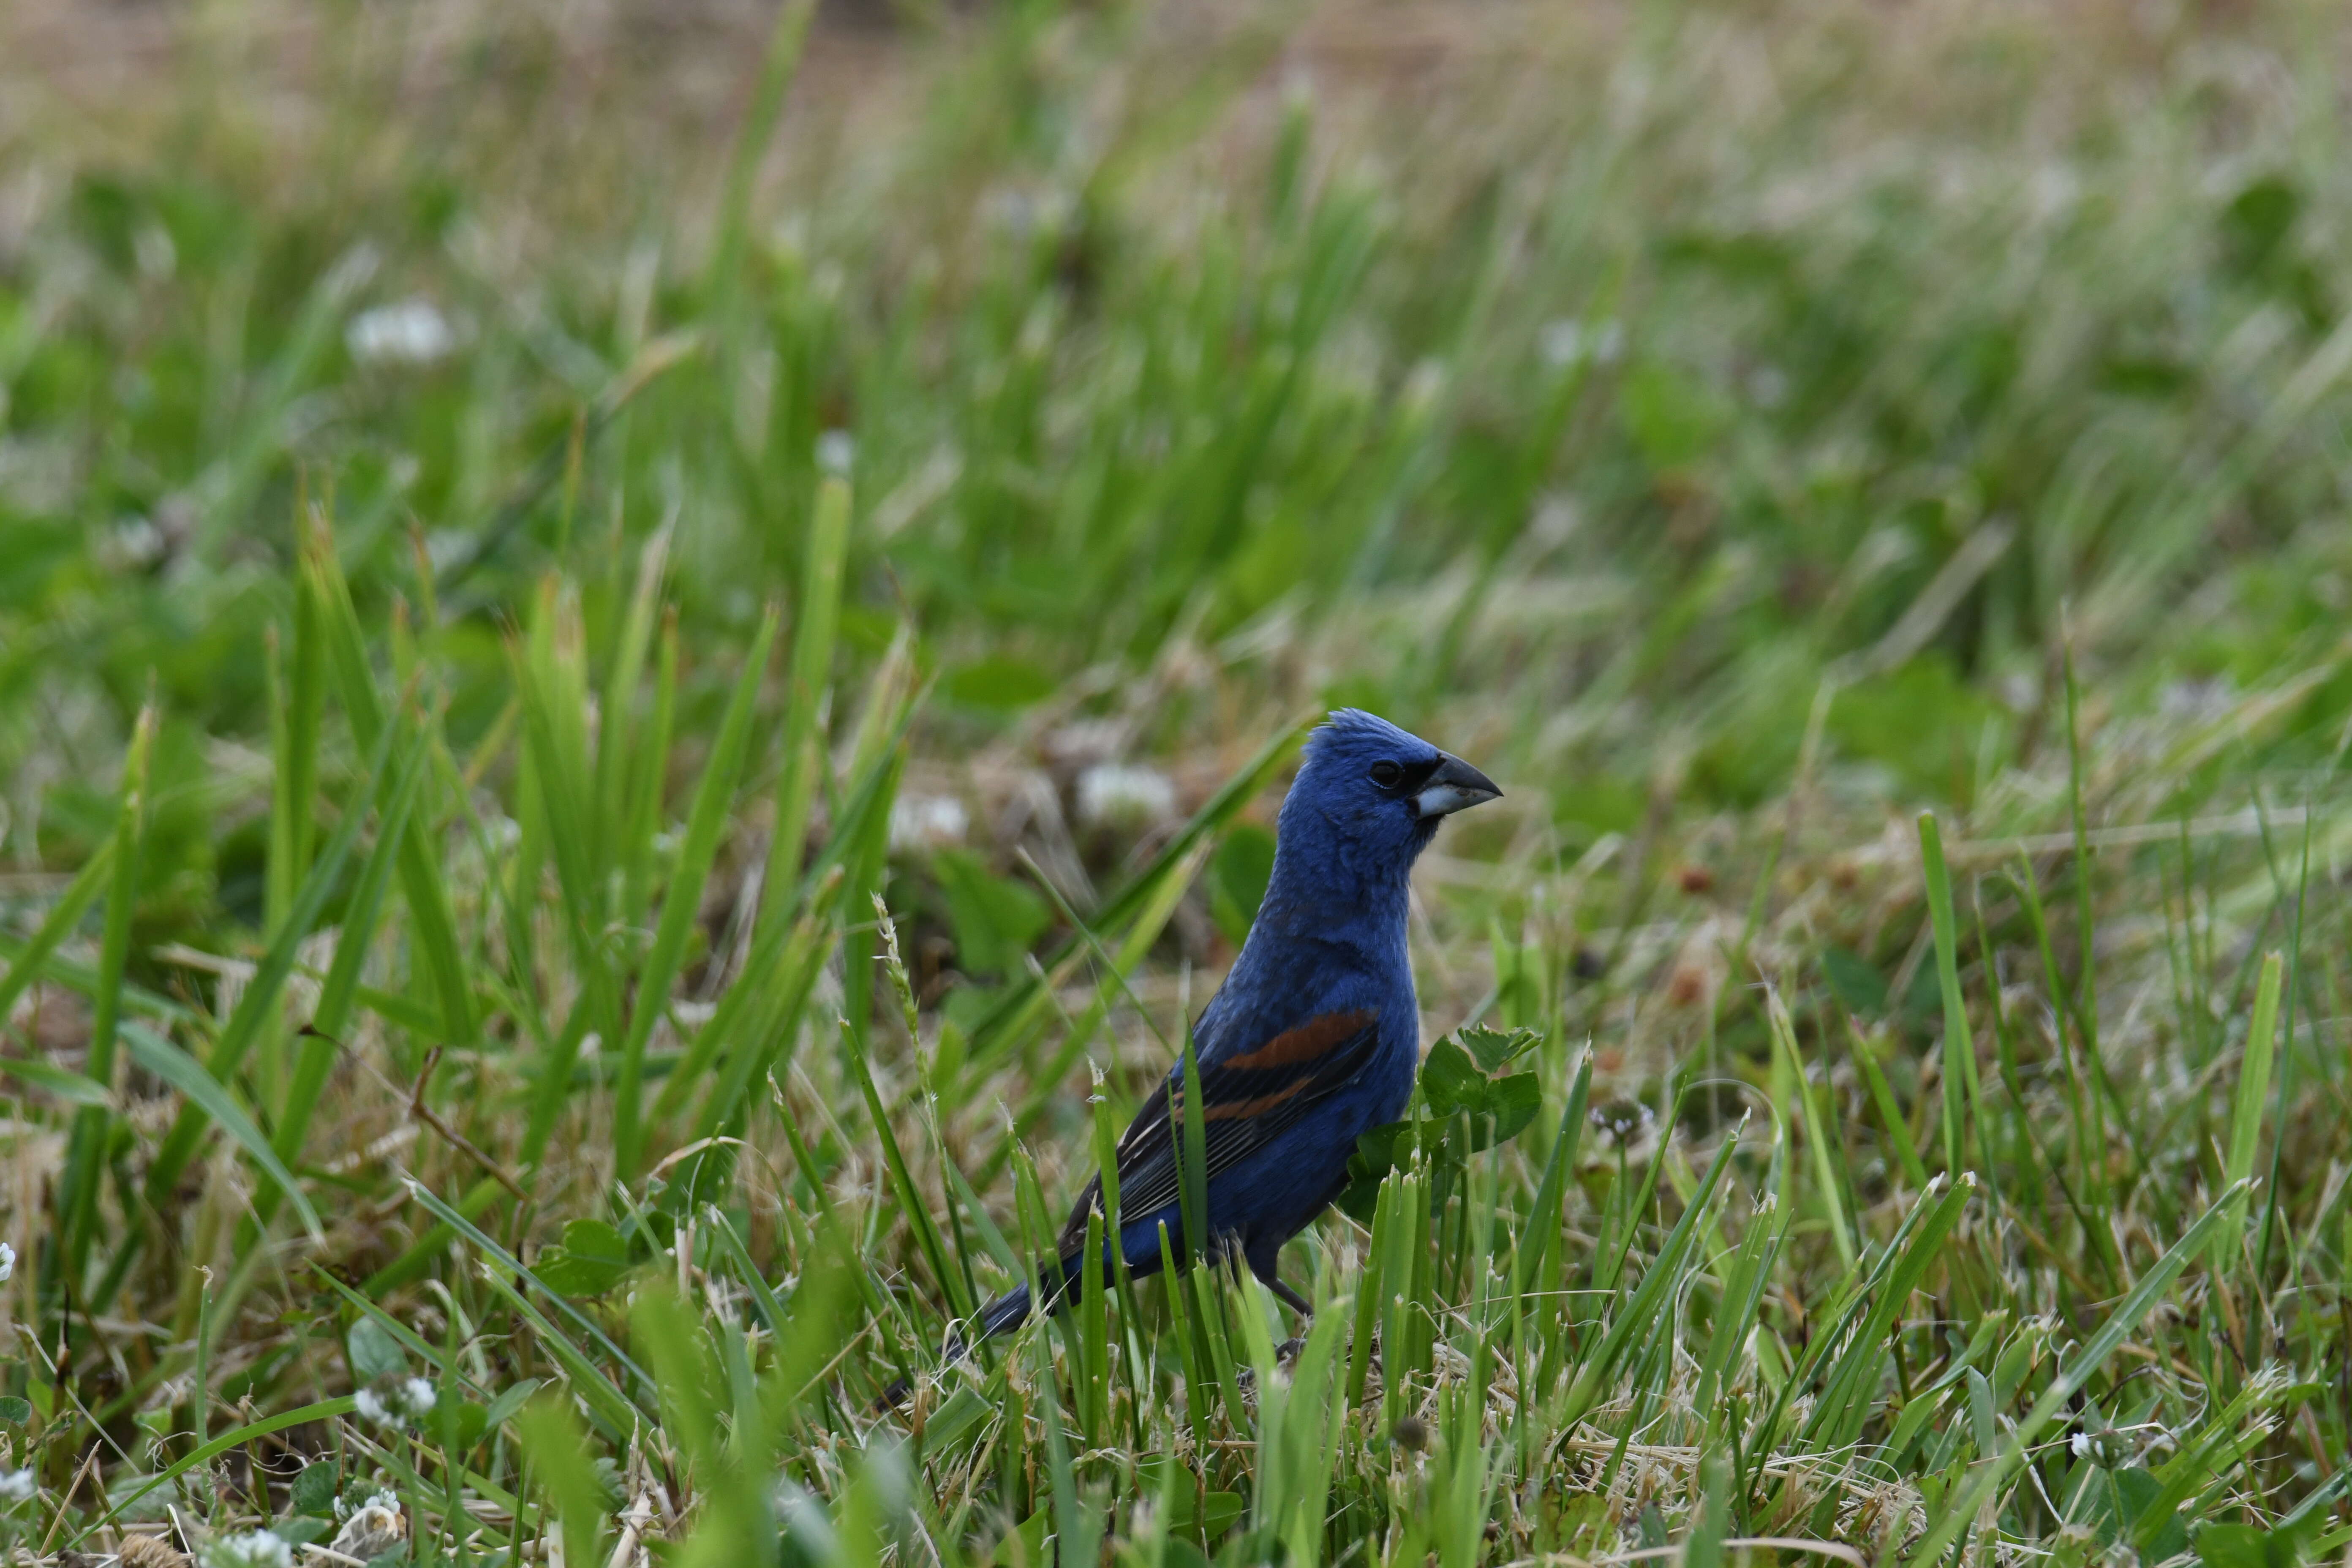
(1386, 774)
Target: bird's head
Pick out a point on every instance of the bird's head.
(1377, 789)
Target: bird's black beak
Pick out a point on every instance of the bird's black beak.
(1454, 787)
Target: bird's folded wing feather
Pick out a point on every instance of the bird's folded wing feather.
(1247, 1099)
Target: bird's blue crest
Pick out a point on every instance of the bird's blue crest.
(1340, 754)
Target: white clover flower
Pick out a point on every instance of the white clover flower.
(7, 1262)
(400, 1402)
(446, 547)
(1567, 341)
(1122, 794)
(16, 1486)
(924, 822)
(254, 1549)
(1560, 342)
(377, 1526)
(837, 450)
(383, 1498)
(409, 333)
(2103, 1447)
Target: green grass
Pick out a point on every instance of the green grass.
(598, 861)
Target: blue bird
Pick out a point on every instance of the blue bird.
(1314, 1036)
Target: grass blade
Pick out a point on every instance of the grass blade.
(2294, 981)
(616, 750)
(1818, 1142)
(84, 1169)
(778, 66)
(1960, 1046)
(297, 713)
(72, 1088)
(682, 902)
(558, 1456)
(1743, 1286)
(911, 1206)
(2254, 1090)
(56, 925)
(814, 629)
(1890, 1111)
(1545, 1216)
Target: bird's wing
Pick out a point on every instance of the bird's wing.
(1247, 1099)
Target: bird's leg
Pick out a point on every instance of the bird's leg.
(1272, 1280)
(1267, 1266)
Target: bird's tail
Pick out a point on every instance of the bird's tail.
(1004, 1314)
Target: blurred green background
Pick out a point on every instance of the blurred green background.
(1736, 425)
(1595, 386)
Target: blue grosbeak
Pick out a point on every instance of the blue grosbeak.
(1314, 1036)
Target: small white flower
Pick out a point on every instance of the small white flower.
(2197, 700)
(254, 1549)
(446, 547)
(926, 822)
(2102, 1447)
(136, 543)
(1567, 341)
(7, 1262)
(403, 1403)
(409, 333)
(1560, 342)
(1423, 385)
(836, 451)
(16, 1486)
(378, 1526)
(1020, 212)
(1119, 792)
